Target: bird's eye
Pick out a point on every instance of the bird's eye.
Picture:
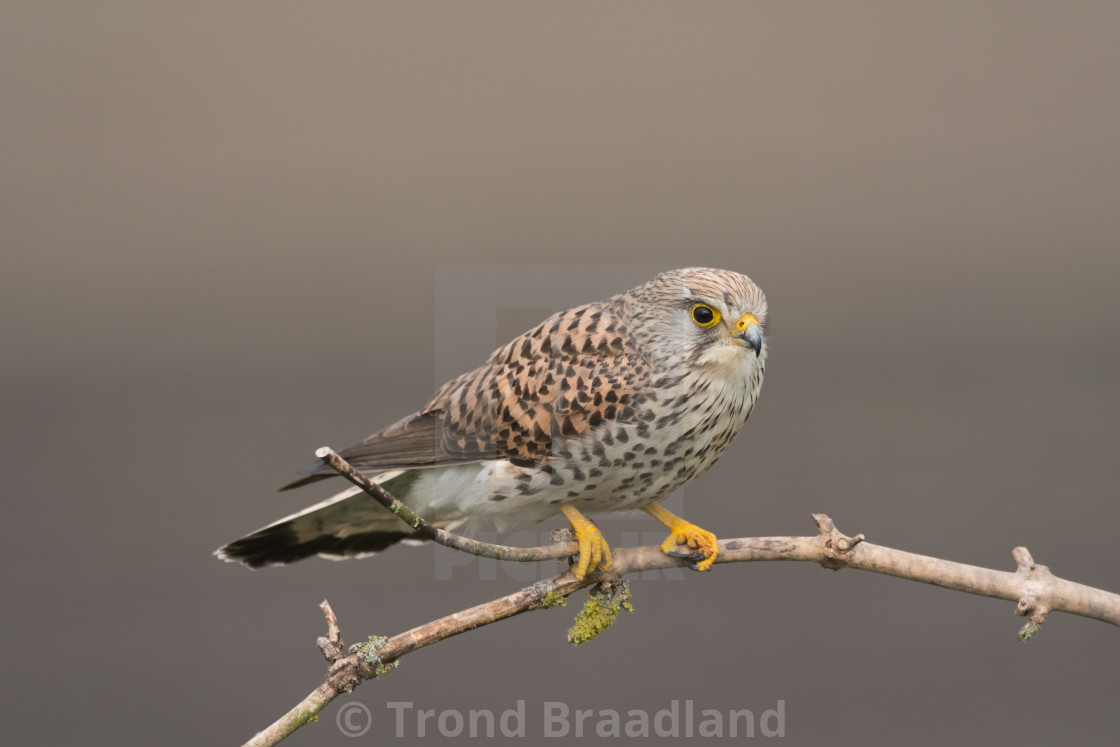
(705, 316)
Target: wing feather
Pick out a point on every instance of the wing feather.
(573, 372)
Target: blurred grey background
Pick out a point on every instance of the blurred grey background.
(231, 234)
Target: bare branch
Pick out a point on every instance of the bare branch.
(1036, 589)
(1033, 587)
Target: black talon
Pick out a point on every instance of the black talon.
(694, 555)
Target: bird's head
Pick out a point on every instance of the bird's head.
(701, 317)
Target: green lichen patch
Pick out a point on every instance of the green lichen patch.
(599, 611)
(1027, 631)
(368, 652)
(552, 599)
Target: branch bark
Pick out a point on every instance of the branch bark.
(1033, 587)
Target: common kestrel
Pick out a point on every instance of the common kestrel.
(604, 407)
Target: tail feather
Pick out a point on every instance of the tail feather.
(280, 545)
(348, 524)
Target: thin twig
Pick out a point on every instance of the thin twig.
(443, 537)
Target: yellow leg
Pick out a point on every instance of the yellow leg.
(593, 549)
(685, 536)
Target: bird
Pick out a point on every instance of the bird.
(608, 406)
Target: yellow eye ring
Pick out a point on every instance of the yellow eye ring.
(704, 315)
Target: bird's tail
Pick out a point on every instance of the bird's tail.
(349, 524)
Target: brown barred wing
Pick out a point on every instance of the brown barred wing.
(560, 380)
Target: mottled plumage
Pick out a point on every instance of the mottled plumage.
(607, 406)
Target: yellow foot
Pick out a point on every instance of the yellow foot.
(686, 540)
(593, 549)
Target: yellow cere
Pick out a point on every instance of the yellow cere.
(745, 321)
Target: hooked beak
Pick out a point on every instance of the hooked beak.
(747, 333)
